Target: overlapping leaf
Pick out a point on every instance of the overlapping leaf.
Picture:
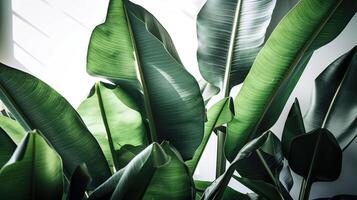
(34, 171)
(174, 105)
(158, 172)
(230, 34)
(113, 118)
(279, 64)
(36, 105)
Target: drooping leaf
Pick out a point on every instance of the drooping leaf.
(219, 114)
(11, 133)
(37, 105)
(250, 164)
(78, 184)
(113, 118)
(229, 193)
(334, 100)
(230, 34)
(34, 171)
(280, 63)
(173, 103)
(157, 172)
(316, 156)
(126, 153)
(294, 126)
(256, 146)
(262, 188)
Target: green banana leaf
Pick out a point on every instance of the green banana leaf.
(340, 197)
(78, 183)
(158, 172)
(278, 66)
(229, 193)
(173, 103)
(230, 34)
(113, 118)
(220, 113)
(33, 172)
(37, 106)
(263, 148)
(334, 100)
(11, 134)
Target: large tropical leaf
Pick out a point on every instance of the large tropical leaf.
(158, 172)
(263, 148)
(334, 100)
(230, 34)
(37, 106)
(11, 133)
(112, 116)
(219, 114)
(207, 90)
(34, 171)
(279, 64)
(174, 105)
(110, 51)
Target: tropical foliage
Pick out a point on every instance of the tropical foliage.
(141, 133)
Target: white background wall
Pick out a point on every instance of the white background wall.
(49, 39)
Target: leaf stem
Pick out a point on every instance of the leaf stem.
(221, 160)
(149, 113)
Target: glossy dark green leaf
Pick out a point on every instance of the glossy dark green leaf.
(230, 34)
(219, 114)
(34, 171)
(229, 193)
(278, 66)
(37, 105)
(258, 146)
(176, 103)
(173, 102)
(113, 118)
(157, 172)
(78, 183)
(285, 177)
(262, 188)
(316, 156)
(334, 100)
(250, 164)
(294, 126)
(11, 133)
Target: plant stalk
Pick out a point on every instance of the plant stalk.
(221, 160)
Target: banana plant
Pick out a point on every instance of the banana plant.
(132, 49)
(278, 66)
(230, 34)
